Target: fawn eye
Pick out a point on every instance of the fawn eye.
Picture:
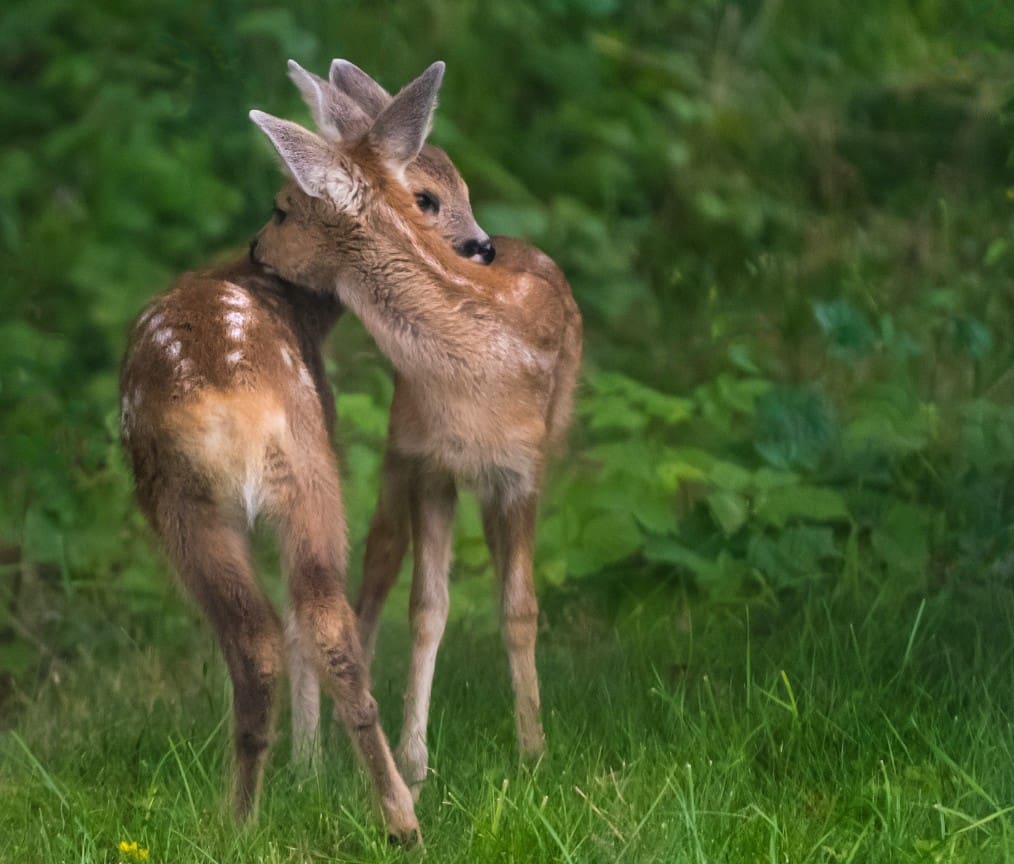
(427, 202)
(280, 215)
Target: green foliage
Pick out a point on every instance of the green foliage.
(788, 226)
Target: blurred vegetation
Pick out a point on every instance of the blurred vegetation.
(789, 226)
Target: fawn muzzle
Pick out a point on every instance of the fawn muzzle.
(481, 251)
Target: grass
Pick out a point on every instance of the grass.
(821, 730)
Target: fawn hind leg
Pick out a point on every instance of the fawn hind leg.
(212, 557)
(385, 548)
(305, 692)
(314, 550)
(509, 524)
(432, 504)
(386, 545)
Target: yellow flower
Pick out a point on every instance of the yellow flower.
(138, 853)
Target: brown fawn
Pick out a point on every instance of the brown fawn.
(486, 360)
(226, 415)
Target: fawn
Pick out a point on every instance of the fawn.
(226, 415)
(486, 360)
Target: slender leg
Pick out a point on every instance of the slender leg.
(314, 550)
(432, 506)
(509, 523)
(305, 691)
(213, 560)
(386, 545)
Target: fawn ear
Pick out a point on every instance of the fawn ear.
(362, 89)
(400, 131)
(306, 156)
(337, 115)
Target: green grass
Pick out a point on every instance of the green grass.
(866, 730)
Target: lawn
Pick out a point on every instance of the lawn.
(853, 728)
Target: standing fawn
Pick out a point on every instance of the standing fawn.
(486, 361)
(227, 415)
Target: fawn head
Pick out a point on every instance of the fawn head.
(438, 187)
(360, 171)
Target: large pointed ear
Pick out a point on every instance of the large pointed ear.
(366, 92)
(400, 131)
(306, 156)
(337, 115)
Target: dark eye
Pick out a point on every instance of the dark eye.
(279, 215)
(427, 202)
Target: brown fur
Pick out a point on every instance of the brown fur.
(227, 415)
(486, 362)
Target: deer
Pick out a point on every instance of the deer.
(227, 417)
(486, 361)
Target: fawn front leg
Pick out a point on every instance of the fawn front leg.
(432, 512)
(509, 523)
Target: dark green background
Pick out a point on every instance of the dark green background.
(788, 225)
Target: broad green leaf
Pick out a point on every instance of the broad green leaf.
(782, 504)
(901, 537)
(973, 336)
(795, 427)
(729, 476)
(890, 419)
(729, 509)
(669, 551)
(604, 540)
(847, 329)
(672, 474)
(793, 553)
(769, 478)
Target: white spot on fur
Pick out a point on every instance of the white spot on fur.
(174, 349)
(154, 321)
(286, 357)
(163, 336)
(237, 322)
(234, 357)
(304, 376)
(236, 297)
(185, 367)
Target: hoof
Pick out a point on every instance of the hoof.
(532, 746)
(408, 839)
(411, 764)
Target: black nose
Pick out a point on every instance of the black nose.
(253, 248)
(478, 250)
